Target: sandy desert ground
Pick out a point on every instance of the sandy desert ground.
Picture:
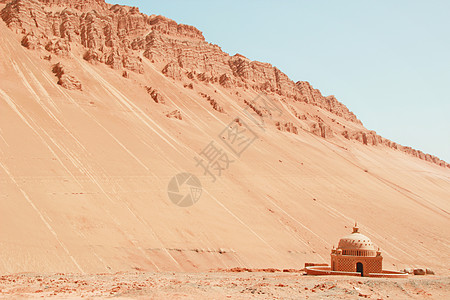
(221, 285)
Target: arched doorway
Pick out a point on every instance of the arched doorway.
(359, 268)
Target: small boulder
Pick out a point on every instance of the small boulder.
(30, 41)
(419, 272)
(429, 272)
(173, 71)
(226, 81)
(176, 114)
(156, 96)
(66, 80)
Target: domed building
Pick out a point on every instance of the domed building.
(356, 253)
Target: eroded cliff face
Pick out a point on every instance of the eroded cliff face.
(122, 37)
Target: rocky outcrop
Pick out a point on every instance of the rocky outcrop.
(226, 81)
(58, 46)
(238, 121)
(255, 108)
(419, 272)
(30, 41)
(322, 130)
(302, 117)
(81, 5)
(408, 271)
(169, 27)
(25, 16)
(64, 79)
(133, 63)
(213, 103)
(173, 71)
(176, 114)
(106, 31)
(367, 138)
(371, 138)
(313, 96)
(287, 127)
(122, 37)
(156, 96)
(116, 35)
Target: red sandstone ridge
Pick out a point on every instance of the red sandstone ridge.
(82, 5)
(118, 36)
(122, 37)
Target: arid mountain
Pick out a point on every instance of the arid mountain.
(101, 105)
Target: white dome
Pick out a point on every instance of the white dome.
(356, 241)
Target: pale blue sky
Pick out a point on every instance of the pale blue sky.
(388, 61)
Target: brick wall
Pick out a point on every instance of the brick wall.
(348, 263)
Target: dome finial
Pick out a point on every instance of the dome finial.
(355, 228)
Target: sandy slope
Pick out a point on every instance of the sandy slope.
(83, 181)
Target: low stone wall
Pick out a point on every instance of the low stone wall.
(317, 270)
(326, 270)
(389, 274)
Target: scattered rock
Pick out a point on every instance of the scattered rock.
(226, 81)
(64, 79)
(91, 56)
(363, 295)
(322, 130)
(156, 96)
(172, 70)
(419, 272)
(287, 127)
(133, 63)
(59, 47)
(213, 103)
(254, 107)
(176, 114)
(30, 41)
(301, 117)
(371, 138)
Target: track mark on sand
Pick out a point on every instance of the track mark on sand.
(78, 163)
(240, 221)
(41, 216)
(141, 115)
